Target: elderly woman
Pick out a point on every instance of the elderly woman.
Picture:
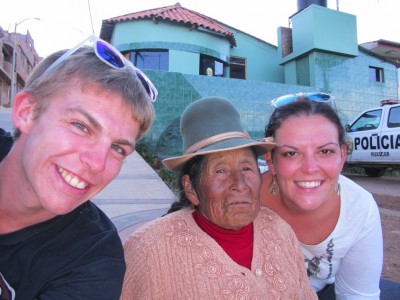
(220, 244)
(336, 220)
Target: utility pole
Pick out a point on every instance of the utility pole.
(14, 62)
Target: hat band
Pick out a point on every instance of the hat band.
(216, 138)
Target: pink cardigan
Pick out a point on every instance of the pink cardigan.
(172, 258)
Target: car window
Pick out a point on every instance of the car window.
(394, 117)
(367, 121)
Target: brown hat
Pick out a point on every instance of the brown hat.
(211, 125)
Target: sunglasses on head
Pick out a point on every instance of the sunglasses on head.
(113, 58)
(286, 99)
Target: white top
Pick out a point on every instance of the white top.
(352, 255)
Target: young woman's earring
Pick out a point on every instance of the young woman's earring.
(273, 187)
(338, 189)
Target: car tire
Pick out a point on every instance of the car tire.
(375, 172)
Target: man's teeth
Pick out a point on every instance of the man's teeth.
(71, 180)
(309, 184)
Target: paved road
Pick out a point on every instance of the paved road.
(385, 185)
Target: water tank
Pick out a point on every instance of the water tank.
(301, 4)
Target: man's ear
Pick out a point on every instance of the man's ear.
(23, 111)
(189, 190)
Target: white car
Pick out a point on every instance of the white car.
(262, 165)
(374, 139)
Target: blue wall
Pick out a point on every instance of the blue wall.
(323, 29)
(185, 44)
(348, 80)
(252, 98)
(262, 58)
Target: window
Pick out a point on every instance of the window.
(394, 117)
(367, 121)
(238, 67)
(152, 60)
(376, 74)
(7, 56)
(209, 66)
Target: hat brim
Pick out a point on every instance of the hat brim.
(176, 163)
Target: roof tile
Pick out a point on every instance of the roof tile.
(173, 13)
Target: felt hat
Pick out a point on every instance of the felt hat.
(211, 125)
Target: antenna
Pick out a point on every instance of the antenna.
(90, 14)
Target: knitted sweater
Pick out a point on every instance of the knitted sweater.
(172, 258)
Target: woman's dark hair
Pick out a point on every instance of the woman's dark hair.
(193, 168)
(304, 106)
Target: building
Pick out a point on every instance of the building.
(189, 55)
(26, 59)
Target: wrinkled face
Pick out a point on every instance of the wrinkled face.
(74, 148)
(307, 161)
(228, 194)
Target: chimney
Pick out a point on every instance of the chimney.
(302, 4)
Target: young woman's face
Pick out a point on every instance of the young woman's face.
(307, 161)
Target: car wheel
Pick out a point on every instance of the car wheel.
(375, 172)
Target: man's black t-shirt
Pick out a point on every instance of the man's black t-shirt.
(74, 256)
(5, 143)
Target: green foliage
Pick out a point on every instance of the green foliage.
(392, 172)
(354, 170)
(361, 171)
(170, 178)
(146, 151)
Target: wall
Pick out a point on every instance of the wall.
(348, 80)
(147, 35)
(185, 46)
(177, 91)
(26, 59)
(323, 29)
(184, 62)
(262, 58)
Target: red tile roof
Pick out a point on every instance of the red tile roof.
(173, 13)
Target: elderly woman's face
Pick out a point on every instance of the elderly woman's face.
(228, 194)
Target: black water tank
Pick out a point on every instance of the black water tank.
(301, 4)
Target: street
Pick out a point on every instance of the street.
(385, 185)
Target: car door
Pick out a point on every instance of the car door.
(365, 135)
(390, 137)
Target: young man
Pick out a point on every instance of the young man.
(79, 116)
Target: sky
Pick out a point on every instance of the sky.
(63, 24)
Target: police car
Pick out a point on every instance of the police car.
(374, 139)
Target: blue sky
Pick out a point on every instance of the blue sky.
(65, 23)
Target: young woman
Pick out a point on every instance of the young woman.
(336, 221)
